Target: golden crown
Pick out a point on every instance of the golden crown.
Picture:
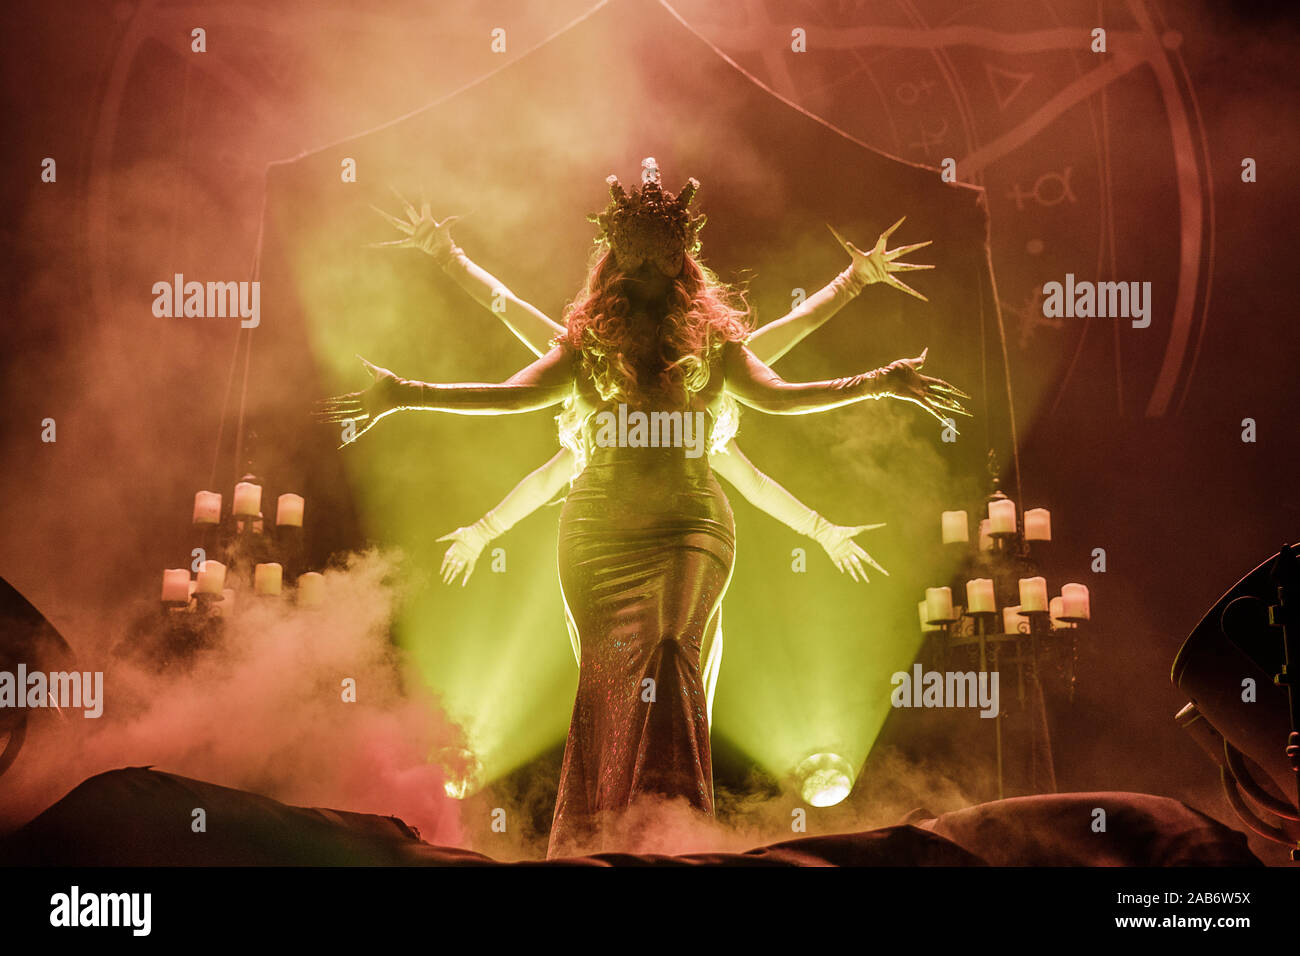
(648, 223)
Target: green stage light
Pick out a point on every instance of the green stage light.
(464, 772)
(825, 779)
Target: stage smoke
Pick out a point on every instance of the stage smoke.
(266, 708)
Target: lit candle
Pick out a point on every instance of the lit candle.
(248, 499)
(986, 539)
(1057, 607)
(955, 527)
(1033, 594)
(1038, 524)
(1012, 622)
(212, 577)
(979, 595)
(938, 604)
(288, 510)
(311, 589)
(266, 578)
(925, 621)
(1002, 516)
(176, 586)
(1074, 599)
(207, 507)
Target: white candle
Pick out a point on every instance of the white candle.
(986, 539)
(212, 577)
(1038, 524)
(248, 499)
(1033, 594)
(955, 527)
(266, 578)
(1057, 607)
(1002, 516)
(1074, 599)
(938, 604)
(176, 586)
(207, 507)
(288, 510)
(925, 621)
(311, 589)
(1012, 622)
(979, 595)
(226, 606)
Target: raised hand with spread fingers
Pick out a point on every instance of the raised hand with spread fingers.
(880, 264)
(423, 232)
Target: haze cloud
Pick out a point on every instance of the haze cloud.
(262, 710)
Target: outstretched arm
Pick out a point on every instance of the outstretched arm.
(776, 338)
(423, 232)
(536, 330)
(761, 491)
(768, 496)
(770, 342)
(522, 500)
(525, 320)
(547, 381)
(757, 386)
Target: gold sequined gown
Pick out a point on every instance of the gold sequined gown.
(646, 547)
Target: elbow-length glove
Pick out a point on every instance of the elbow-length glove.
(756, 385)
(548, 381)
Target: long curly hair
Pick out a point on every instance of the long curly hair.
(628, 365)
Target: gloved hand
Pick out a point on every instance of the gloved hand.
(846, 554)
(367, 406)
(880, 263)
(423, 232)
(902, 379)
(467, 544)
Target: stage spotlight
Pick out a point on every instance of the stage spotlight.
(1237, 667)
(28, 639)
(464, 772)
(824, 779)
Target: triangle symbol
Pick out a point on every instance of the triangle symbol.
(1006, 84)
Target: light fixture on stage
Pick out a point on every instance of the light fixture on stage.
(31, 643)
(464, 772)
(824, 779)
(1238, 669)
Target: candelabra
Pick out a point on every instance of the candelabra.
(236, 551)
(1007, 618)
